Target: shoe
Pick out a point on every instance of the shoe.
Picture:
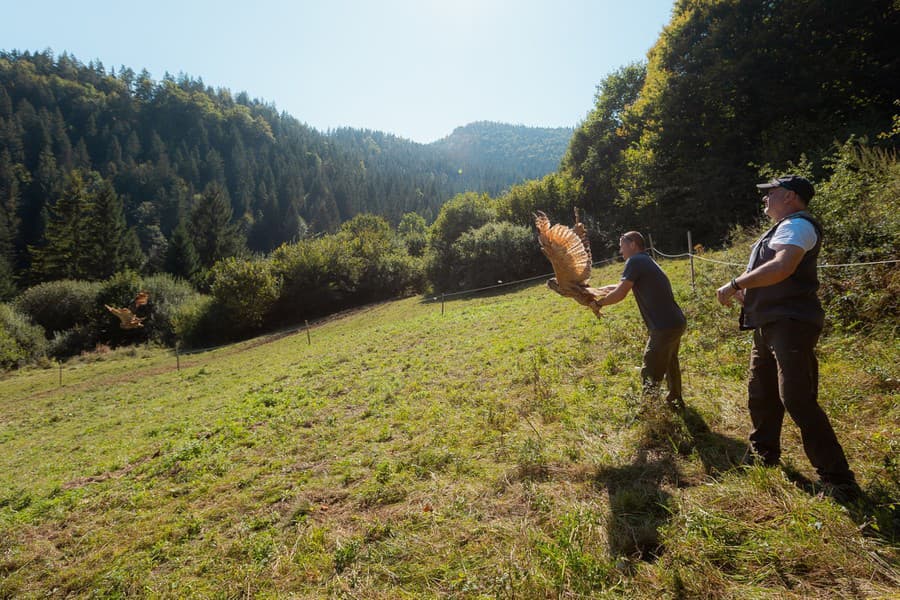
(752, 459)
(842, 493)
(675, 404)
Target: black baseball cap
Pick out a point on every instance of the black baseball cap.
(799, 185)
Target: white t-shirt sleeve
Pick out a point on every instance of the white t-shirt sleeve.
(795, 232)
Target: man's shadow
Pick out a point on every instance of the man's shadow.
(638, 504)
(876, 510)
(638, 500)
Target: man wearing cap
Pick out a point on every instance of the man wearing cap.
(780, 304)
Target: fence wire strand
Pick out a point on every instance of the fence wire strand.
(731, 264)
(654, 250)
(508, 283)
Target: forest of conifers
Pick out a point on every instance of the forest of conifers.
(108, 178)
(157, 145)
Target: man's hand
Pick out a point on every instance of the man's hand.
(787, 258)
(727, 293)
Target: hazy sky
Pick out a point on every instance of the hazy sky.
(414, 68)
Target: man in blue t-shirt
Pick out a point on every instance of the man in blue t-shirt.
(662, 315)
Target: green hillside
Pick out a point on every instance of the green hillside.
(500, 449)
(526, 152)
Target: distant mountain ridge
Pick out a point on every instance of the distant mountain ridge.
(528, 152)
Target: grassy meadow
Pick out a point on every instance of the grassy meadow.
(501, 449)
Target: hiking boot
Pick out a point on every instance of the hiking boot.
(843, 492)
(752, 459)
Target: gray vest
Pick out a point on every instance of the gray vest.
(793, 298)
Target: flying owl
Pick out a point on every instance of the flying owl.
(570, 254)
(127, 317)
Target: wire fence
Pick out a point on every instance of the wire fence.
(722, 262)
(655, 252)
(501, 284)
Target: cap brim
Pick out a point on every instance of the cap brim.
(767, 186)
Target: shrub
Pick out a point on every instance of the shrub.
(398, 274)
(59, 305)
(462, 213)
(197, 322)
(366, 260)
(20, 341)
(73, 341)
(119, 291)
(866, 181)
(553, 195)
(495, 252)
(414, 233)
(246, 290)
(167, 295)
(317, 277)
(380, 263)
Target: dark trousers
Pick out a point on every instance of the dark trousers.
(784, 376)
(661, 361)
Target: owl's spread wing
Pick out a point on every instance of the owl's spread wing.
(127, 319)
(568, 252)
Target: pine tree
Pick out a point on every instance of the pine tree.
(5, 104)
(80, 158)
(65, 251)
(294, 228)
(105, 231)
(10, 197)
(46, 184)
(130, 255)
(213, 234)
(7, 282)
(181, 256)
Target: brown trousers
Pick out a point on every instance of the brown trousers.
(661, 361)
(784, 376)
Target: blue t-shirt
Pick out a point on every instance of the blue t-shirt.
(653, 293)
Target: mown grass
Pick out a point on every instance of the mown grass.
(501, 449)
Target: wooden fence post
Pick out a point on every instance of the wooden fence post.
(442, 304)
(308, 339)
(691, 254)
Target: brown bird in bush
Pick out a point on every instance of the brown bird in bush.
(570, 254)
(127, 317)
